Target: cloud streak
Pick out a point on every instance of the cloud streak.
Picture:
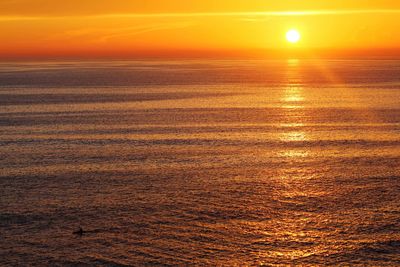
(254, 14)
(258, 14)
(99, 35)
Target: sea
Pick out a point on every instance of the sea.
(200, 163)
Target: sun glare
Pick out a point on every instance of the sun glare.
(293, 36)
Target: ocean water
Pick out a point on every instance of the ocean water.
(204, 163)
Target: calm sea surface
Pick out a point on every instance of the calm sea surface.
(229, 163)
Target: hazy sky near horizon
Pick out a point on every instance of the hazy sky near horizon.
(100, 27)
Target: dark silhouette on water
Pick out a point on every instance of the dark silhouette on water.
(79, 232)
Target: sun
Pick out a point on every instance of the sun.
(293, 36)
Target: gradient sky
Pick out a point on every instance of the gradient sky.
(99, 28)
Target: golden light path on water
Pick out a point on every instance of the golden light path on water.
(292, 177)
(293, 100)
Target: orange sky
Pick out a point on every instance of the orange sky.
(102, 28)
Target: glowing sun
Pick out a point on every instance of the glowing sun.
(293, 36)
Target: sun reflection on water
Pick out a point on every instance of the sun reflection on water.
(293, 97)
(294, 153)
(294, 136)
(293, 94)
(292, 176)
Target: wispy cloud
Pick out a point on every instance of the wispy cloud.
(105, 34)
(259, 14)
(20, 18)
